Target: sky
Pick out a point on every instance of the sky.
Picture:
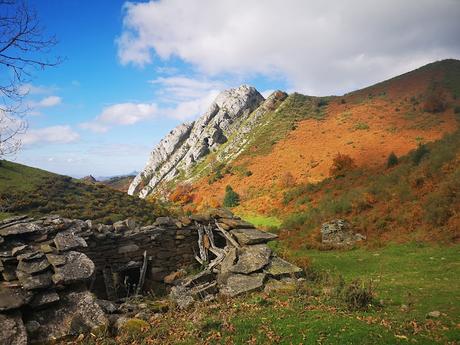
(132, 71)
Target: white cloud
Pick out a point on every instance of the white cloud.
(49, 101)
(319, 46)
(50, 135)
(121, 114)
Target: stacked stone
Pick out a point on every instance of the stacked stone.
(41, 279)
(169, 245)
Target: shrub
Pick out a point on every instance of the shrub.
(361, 126)
(419, 153)
(357, 295)
(392, 160)
(435, 102)
(182, 194)
(341, 165)
(287, 180)
(231, 198)
(457, 109)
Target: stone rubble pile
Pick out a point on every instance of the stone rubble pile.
(339, 233)
(244, 264)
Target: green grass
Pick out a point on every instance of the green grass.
(261, 221)
(424, 278)
(25, 190)
(12, 177)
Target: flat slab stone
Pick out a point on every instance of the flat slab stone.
(281, 268)
(33, 282)
(12, 330)
(19, 229)
(241, 283)
(252, 236)
(251, 259)
(44, 298)
(78, 267)
(67, 240)
(33, 267)
(13, 298)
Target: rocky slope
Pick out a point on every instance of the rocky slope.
(188, 143)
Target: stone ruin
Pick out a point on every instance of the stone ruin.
(339, 233)
(61, 277)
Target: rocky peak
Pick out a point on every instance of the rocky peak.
(188, 143)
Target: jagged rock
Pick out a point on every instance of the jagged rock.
(43, 298)
(188, 143)
(251, 259)
(240, 283)
(68, 240)
(338, 232)
(76, 313)
(252, 236)
(89, 178)
(122, 225)
(12, 329)
(13, 298)
(78, 267)
(19, 229)
(281, 268)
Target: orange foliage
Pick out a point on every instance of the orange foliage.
(341, 165)
(182, 194)
(287, 180)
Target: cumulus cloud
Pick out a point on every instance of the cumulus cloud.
(49, 101)
(50, 135)
(185, 97)
(320, 47)
(121, 114)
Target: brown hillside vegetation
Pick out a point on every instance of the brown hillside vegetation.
(365, 125)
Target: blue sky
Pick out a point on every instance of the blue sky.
(134, 71)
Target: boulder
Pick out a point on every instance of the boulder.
(252, 236)
(12, 329)
(43, 298)
(338, 232)
(78, 267)
(240, 283)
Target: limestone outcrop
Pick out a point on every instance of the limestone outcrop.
(188, 143)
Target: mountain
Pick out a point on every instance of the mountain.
(120, 183)
(250, 143)
(36, 192)
(188, 143)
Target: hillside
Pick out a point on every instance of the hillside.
(120, 183)
(26, 190)
(291, 140)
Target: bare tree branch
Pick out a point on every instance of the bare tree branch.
(23, 49)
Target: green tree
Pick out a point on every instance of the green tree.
(392, 160)
(231, 198)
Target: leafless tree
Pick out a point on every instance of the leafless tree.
(24, 48)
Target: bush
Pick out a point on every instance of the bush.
(357, 295)
(287, 180)
(392, 160)
(231, 198)
(419, 153)
(457, 109)
(182, 194)
(435, 102)
(341, 165)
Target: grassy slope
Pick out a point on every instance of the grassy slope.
(26, 190)
(424, 278)
(120, 183)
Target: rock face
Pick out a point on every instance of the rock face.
(338, 232)
(190, 142)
